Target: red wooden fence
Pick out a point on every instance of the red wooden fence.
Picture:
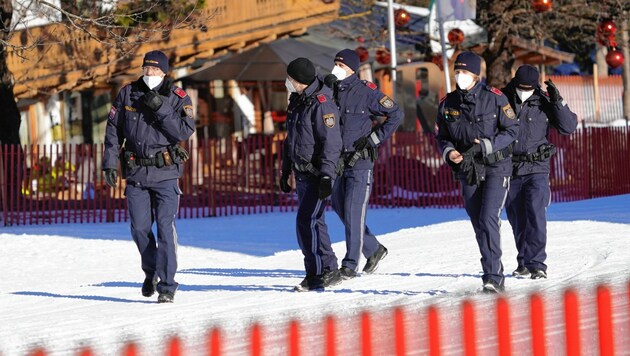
(589, 321)
(49, 184)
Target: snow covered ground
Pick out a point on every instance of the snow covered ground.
(69, 285)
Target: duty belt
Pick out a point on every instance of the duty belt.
(306, 168)
(544, 152)
(498, 155)
(161, 159)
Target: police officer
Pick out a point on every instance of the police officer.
(147, 120)
(476, 127)
(359, 101)
(529, 194)
(311, 150)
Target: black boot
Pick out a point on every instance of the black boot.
(166, 297)
(331, 278)
(347, 273)
(148, 286)
(310, 283)
(372, 262)
(538, 274)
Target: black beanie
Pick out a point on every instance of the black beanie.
(526, 77)
(156, 59)
(349, 58)
(302, 70)
(468, 61)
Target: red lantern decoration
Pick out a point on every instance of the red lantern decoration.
(383, 56)
(606, 33)
(614, 58)
(541, 5)
(401, 17)
(455, 36)
(363, 53)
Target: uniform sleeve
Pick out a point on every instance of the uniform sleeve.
(176, 121)
(286, 157)
(508, 127)
(328, 134)
(443, 136)
(382, 105)
(561, 117)
(113, 134)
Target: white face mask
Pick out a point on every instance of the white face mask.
(339, 72)
(152, 81)
(524, 95)
(289, 85)
(464, 81)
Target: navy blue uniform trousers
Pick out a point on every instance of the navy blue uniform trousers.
(350, 196)
(526, 208)
(483, 204)
(159, 202)
(312, 232)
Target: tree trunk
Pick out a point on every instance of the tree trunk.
(10, 119)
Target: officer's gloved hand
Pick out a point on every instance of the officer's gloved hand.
(152, 100)
(284, 183)
(325, 187)
(181, 152)
(554, 94)
(362, 143)
(466, 164)
(111, 177)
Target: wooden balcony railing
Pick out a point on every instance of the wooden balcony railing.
(67, 60)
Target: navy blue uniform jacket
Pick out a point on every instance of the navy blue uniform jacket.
(145, 132)
(360, 100)
(536, 116)
(482, 113)
(313, 134)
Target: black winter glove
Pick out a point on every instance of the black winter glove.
(325, 187)
(362, 143)
(466, 164)
(111, 177)
(181, 153)
(152, 100)
(284, 183)
(554, 94)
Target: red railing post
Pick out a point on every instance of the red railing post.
(366, 334)
(294, 338)
(214, 342)
(331, 343)
(85, 351)
(130, 349)
(174, 347)
(572, 323)
(399, 332)
(434, 331)
(38, 352)
(256, 342)
(537, 319)
(470, 337)
(503, 326)
(606, 343)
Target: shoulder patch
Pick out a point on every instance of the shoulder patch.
(329, 120)
(321, 98)
(370, 85)
(386, 102)
(112, 112)
(496, 91)
(509, 112)
(180, 92)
